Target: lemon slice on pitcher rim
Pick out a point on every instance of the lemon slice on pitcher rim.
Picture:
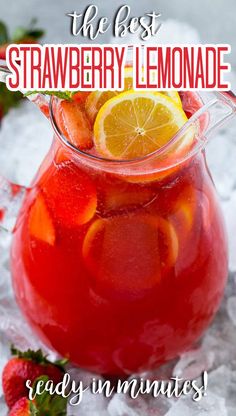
(134, 124)
(97, 99)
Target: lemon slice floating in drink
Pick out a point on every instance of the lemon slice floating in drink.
(134, 124)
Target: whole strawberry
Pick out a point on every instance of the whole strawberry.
(9, 99)
(43, 405)
(28, 365)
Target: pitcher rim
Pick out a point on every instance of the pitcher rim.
(127, 162)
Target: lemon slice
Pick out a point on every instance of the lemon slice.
(174, 95)
(133, 124)
(97, 99)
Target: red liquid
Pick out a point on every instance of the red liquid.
(119, 276)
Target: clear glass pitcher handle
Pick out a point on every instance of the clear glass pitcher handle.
(215, 110)
(219, 107)
(11, 195)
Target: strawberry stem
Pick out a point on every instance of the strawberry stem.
(38, 357)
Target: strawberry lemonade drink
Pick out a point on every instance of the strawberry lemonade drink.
(119, 256)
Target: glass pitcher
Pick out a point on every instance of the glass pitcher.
(121, 265)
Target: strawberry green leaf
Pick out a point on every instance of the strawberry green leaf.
(64, 95)
(49, 405)
(35, 34)
(8, 99)
(31, 32)
(33, 409)
(62, 362)
(58, 405)
(38, 357)
(19, 33)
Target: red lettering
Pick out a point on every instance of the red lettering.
(74, 59)
(188, 68)
(199, 78)
(35, 69)
(164, 65)
(177, 62)
(222, 67)
(13, 79)
(150, 67)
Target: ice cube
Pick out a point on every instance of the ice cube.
(222, 382)
(15, 329)
(221, 159)
(85, 377)
(164, 372)
(90, 405)
(231, 307)
(9, 203)
(210, 405)
(230, 218)
(23, 146)
(123, 405)
(3, 408)
(221, 339)
(192, 363)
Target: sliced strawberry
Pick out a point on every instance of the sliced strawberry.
(70, 194)
(59, 116)
(44, 109)
(75, 125)
(191, 102)
(80, 97)
(44, 404)
(40, 222)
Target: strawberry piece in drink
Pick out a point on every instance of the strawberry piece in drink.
(74, 125)
(40, 222)
(80, 207)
